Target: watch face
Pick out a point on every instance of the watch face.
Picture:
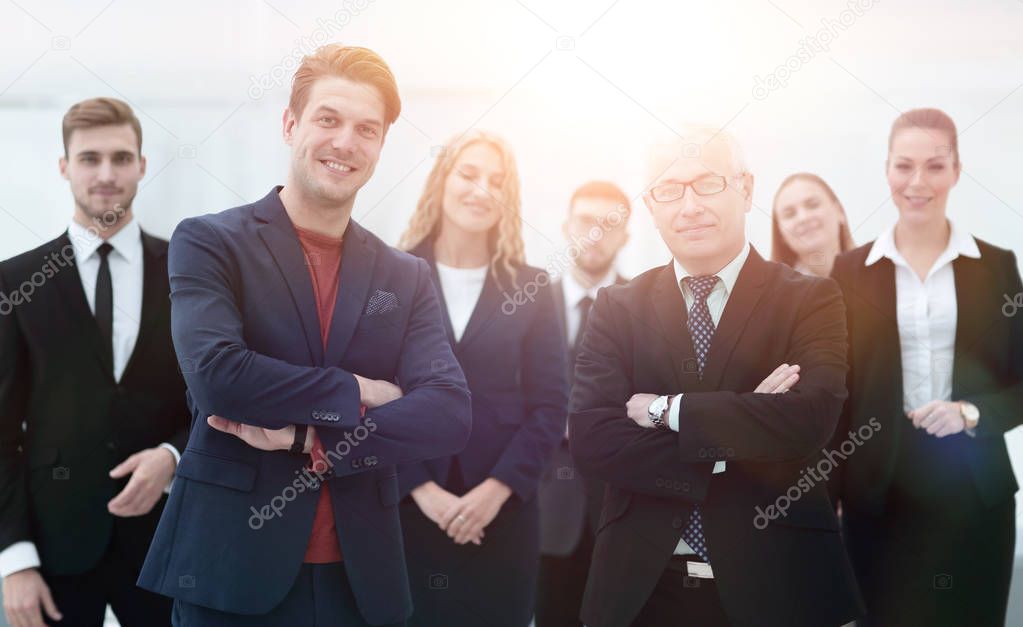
(970, 412)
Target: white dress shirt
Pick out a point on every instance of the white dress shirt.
(574, 291)
(126, 272)
(461, 288)
(716, 301)
(926, 315)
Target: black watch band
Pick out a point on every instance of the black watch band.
(298, 446)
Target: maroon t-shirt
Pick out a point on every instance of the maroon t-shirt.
(323, 256)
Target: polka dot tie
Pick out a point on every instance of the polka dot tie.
(701, 330)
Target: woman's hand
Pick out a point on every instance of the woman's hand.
(475, 510)
(939, 418)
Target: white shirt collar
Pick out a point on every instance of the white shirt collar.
(959, 243)
(127, 242)
(575, 291)
(728, 275)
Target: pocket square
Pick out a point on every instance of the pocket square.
(381, 302)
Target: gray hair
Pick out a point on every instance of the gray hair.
(691, 142)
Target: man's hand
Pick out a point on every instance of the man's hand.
(637, 408)
(25, 593)
(779, 381)
(258, 437)
(939, 418)
(475, 510)
(151, 471)
(377, 392)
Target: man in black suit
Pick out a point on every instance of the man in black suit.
(679, 406)
(92, 405)
(596, 229)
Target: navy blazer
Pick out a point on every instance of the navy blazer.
(513, 355)
(245, 327)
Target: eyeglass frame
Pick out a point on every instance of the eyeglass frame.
(689, 184)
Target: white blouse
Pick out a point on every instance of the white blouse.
(927, 315)
(461, 288)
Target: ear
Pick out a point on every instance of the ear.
(62, 165)
(747, 183)
(564, 228)
(958, 171)
(288, 122)
(142, 166)
(648, 200)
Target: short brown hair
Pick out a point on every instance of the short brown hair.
(100, 112)
(352, 62)
(601, 189)
(928, 119)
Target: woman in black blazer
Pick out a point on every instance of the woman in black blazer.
(471, 521)
(935, 381)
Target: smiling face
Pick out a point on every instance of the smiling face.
(473, 198)
(921, 171)
(336, 141)
(705, 232)
(809, 218)
(104, 168)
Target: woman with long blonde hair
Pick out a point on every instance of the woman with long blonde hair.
(471, 521)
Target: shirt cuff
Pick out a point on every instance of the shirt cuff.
(673, 413)
(19, 556)
(177, 458)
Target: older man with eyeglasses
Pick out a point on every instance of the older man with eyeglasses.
(681, 406)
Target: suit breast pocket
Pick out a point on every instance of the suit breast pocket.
(228, 473)
(394, 319)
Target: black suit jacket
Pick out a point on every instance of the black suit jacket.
(568, 501)
(987, 371)
(79, 422)
(793, 569)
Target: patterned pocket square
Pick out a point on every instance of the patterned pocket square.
(381, 302)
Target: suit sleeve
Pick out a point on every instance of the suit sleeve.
(15, 386)
(434, 417)
(790, 427)
(605, 443)
(227, 378)
(545, 390)
(835, 483)
(1002, 410)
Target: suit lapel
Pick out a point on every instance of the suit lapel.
(670, 311)
(424, 250)
(155, 295)
(69, 283)
(973, 282)
(358, 259)
(738, 311)
(281, 240)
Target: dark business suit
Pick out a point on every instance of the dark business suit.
(569, 509)
(791, 572)
(245, 326)
(512, 354)
(57, 377)
(930, 522)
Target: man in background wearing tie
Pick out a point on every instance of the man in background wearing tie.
(92, 405)
(679, 404)
(596, 229)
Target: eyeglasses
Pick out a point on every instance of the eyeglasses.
(703, 186)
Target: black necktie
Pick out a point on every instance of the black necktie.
(105, 300)
(584, 305)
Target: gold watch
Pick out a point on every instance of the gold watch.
(970, 414)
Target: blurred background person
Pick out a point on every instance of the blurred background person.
(928, 501)
(471, 522)
(596, 230)
(809, 227)
(87, 364)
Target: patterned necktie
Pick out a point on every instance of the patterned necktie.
(701, 330)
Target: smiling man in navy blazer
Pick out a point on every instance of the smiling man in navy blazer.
(316, 360)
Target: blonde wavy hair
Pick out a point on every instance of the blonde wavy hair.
(505, 238)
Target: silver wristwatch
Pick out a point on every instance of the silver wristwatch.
(657, 410)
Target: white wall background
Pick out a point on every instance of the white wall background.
(576, 87)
